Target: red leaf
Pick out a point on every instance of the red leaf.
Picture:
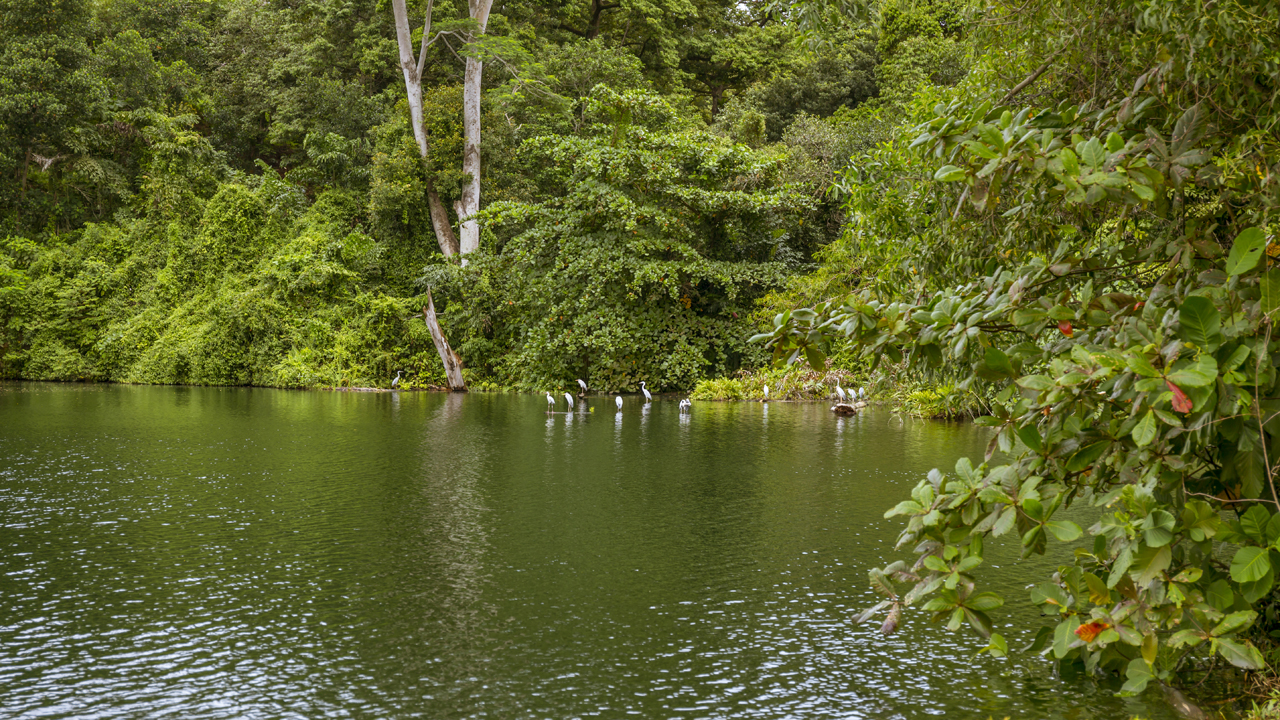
(1181, 402)
(1065, 327)
(1090, 630)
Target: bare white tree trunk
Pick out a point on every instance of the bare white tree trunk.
(469, 204)
(452, 363)
(413, 90)
(439, 215)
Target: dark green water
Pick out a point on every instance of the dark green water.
(243, 553)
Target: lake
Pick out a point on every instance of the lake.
(251, 553)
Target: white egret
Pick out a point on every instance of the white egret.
(569, 399)
(583, 385)
(551, 401)
(840, 392)
(618, 401)
(396, 382)
(685, 405)
(766, 393)
(862, 395)
(643, 389)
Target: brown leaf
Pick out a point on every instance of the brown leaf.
(1181, 402)
(890, 625)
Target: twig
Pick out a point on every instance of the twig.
(1225, 501)
(1030, 78)
(1262, 431)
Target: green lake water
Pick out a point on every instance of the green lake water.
(248, 553)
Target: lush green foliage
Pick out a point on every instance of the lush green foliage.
(229, 192)
(194, 303)
(794, 382)
(649, 253)
(1098, 258)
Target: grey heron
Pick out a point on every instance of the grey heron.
(569, 399)
(396, 382)
(643, 389)
(618, 401)
(583, 385)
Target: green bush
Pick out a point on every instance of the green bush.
(1099, 259)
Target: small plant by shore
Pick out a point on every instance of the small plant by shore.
(791, 383)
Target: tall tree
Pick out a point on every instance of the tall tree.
(439, 216)
(46, 92)
(412, 70)
(469, 204)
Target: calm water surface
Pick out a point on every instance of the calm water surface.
(246, 553)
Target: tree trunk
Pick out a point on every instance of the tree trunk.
(439, 215)
(452, 363)
(469, 204)
(413, 90)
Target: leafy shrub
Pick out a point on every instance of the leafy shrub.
(1101, 262)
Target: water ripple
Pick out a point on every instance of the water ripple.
(236, 553)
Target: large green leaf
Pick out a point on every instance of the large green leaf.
(1250, 564)
(1150, 562)
(1085, 456)
(995, 365)
(1254, 522)
(1246, 251)
(1235, 622)
(1254, 591)
(1145, 431)
(1030, 437)
(949, 173)
(1063, 530)
(1092, 153)
(1158, 528)
(1242, 655)
(984, 601)
(1200, 323)
(817, 360)
(1137, 675)
(1198, 374)
(1271, 291)
(1219, 594)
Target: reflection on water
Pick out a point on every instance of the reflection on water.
(229, 553)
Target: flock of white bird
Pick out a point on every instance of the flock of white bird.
(685, 404)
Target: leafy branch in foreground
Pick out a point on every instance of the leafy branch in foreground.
(1119, 306)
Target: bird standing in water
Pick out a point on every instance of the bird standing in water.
(766, 393)
(569, 399)
(618, 401)
(396, 382)
(643, 389)
(583, 385)
(551, 402)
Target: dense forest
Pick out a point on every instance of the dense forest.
(1064, 211)
(231, 192)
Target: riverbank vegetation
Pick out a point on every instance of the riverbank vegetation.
(1084, 231)
(233, 192)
